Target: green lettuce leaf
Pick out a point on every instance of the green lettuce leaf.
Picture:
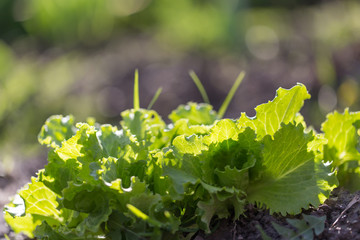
(182, 128)
(146, 125)
(58, 172)
(342, 147)
(150, 208)
(18, 219)
(283, 109)
(114, 142)
(341, 132)
(348, 174)
(195, 114)
(89, 199)
(326, 175)
(56, 129)
(288, 180)
(38, 204)
(25, 224)
(222, 208)
(189, 145)
(224, 130)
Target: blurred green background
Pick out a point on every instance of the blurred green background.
(78, 57)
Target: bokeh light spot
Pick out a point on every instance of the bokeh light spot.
(262, 42)
(327, 98)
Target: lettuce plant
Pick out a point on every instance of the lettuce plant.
(146, 179)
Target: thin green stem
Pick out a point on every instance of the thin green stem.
(200, 87)
(153, 100)
(231, 94)
(136, 91)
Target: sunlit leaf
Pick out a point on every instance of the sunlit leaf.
(282, 109)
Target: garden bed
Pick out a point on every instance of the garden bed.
(152, 180)
(246, 227)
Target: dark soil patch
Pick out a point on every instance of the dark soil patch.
(348, 224)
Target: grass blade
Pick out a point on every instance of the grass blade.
(153, 100)
(231, 94)
(136, 91)
(138, 213)
(200, 87)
